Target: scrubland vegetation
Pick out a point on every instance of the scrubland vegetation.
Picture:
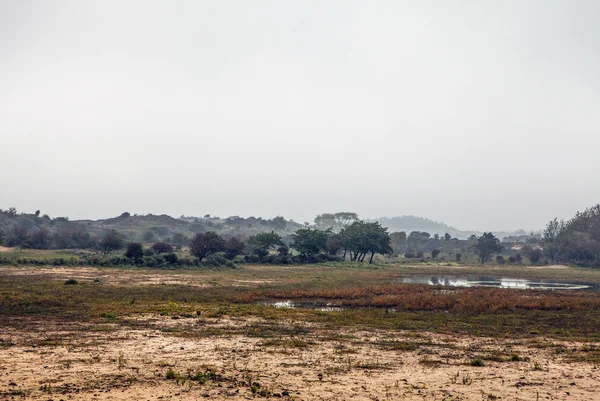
(333, 237)
(321, 303)
(218, 326)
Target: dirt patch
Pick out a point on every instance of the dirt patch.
(108, 276)
(44, 360)
(5, 249)
(557, 267)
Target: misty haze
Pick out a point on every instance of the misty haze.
(307, 200)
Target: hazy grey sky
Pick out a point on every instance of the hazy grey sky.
(481, 114)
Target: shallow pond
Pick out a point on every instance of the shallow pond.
(327, 307)
(496, 282)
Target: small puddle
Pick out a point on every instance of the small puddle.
(494, 282)
(321, 307)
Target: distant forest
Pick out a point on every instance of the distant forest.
(161, 240)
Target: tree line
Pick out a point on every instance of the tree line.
(334, 236)
(576, 240)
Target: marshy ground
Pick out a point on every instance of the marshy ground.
(186, 335)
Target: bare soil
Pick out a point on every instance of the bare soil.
(41, 360)
(176, 356)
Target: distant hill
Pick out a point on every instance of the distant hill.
(152, 228)
(415, 223)
(144, 228)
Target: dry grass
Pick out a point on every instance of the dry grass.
(211, 336)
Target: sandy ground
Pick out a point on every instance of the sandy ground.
(53, 361)
(5, 249)
(109, 276)
(559, 267)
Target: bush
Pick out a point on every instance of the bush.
(409, 255)
(234, 247)
(171, 258)
(533, 254)
(500, 259)
(134, 251)
(239, 259)
(252, 259)
(71, 281)
(153, 261)
(476, 362)
(162, 247)
(217, 260)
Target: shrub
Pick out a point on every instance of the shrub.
(217, 260)
(171, 258)
(239, 259)
(515, 358)
(533, 254)
(234, 247)
(162, 247)
(476, 362)
(134, 251)
(71, 281)
(252, 259)
(500, 259)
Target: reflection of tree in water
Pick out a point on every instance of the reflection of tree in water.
(495, 282)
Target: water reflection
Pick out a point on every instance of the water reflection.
(311, 305)
(494, 282)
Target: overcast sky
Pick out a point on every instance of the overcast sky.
(481, 114)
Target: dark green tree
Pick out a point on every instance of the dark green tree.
(134, 251)
(234, 247)
(361, 238)
(486, 246)
(310, 242)
(206, 244)
(262, 243)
